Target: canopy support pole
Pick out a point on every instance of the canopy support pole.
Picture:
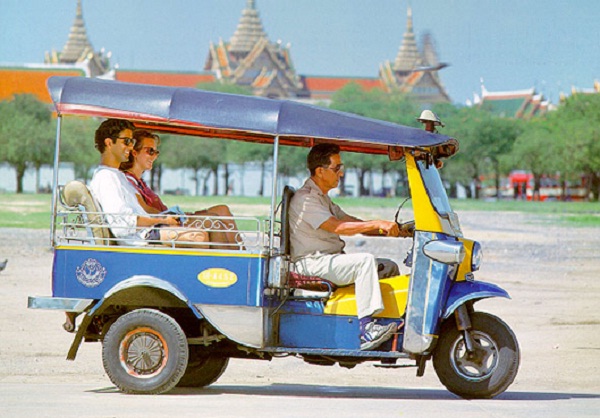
(274, 195)
(55, 182)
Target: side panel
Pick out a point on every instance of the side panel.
(429, 287)
(202, 276)
(318, 331)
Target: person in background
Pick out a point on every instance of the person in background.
(128, 220)
(218, 222)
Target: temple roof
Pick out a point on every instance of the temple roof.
(249, 31)
(521, 104)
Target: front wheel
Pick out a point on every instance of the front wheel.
(145, 351)
(486, 371)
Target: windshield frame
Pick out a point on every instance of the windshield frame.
(434, 187)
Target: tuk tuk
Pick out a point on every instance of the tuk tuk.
(169, 316)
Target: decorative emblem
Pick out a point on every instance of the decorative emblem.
(217, 277)
(91, 273)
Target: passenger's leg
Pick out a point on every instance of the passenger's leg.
(221, 230)
(184, 237)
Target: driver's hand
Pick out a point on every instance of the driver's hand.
(407, 229)
(389, 229)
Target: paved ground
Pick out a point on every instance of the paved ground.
(552, 272)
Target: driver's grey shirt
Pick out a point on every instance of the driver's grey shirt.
(309, 208)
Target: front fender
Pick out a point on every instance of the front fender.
(464, 291)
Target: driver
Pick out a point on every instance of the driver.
(317, 250)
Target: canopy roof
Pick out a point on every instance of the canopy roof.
(200, 113)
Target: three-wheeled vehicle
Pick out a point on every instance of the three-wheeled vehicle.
(169, 316)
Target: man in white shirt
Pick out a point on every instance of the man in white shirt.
(316, 224)
(128, 221)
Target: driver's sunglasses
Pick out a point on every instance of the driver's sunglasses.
(126, 141)
(336, 169)
(151, 151)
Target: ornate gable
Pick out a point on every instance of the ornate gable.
(79, 50)
(250, 59)
(415, 71)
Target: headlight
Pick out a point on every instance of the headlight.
(476, 256)
(447, 252)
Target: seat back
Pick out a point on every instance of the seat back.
(284, 246)
(75, 194)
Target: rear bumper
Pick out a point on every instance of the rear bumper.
(59, 304)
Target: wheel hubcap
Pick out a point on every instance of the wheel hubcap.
(478, 364)
(143, 352)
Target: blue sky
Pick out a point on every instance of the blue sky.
(551, 45)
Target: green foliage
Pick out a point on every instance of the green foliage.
(26, 134)
(225, 87)
(77, 145)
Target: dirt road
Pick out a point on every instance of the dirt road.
(552, 273)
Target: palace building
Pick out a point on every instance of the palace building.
(249, 58)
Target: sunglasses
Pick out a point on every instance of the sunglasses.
(336, 169)
(151, 151)
(126, 141)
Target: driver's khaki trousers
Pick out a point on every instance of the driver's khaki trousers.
(345, 269)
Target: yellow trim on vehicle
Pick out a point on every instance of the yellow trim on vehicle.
(465, 266)
(159, 251)
(426, 218)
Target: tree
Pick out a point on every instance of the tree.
(26, 135)
(577, 128)
(377, 104)
(77, 137)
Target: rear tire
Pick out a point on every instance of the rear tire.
(202, 370)
(145, 351)
(489, 370)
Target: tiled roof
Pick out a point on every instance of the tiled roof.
(23, 80)
(318, 84)
(164, 78)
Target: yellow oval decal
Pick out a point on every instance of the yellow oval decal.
(217, 277)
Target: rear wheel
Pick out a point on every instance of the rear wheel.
(486, 371)
(202, 370)
(145, 351)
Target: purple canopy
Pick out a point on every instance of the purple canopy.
(201, 113)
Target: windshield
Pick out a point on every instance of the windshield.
(435, 188)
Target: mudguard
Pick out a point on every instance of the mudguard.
(464, 291)
(131, 283)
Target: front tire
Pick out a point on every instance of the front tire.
(489, 370)
(145, 351)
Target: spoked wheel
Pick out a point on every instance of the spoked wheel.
(145, 351)
(202, 369)
(488, 369)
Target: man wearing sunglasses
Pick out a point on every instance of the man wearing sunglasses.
(127, 219)
(316, 224)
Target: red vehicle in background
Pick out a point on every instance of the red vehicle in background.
(520, 185)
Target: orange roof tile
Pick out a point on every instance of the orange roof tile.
(172, 79)
(331, 84)
(30, 81)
